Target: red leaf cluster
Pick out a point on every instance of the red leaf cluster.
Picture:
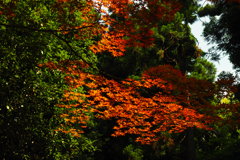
(119, 23)
(145, 107)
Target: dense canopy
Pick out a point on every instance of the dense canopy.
(116, 78)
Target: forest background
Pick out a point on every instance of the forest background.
(117, 78)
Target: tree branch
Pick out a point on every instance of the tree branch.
(45, 30)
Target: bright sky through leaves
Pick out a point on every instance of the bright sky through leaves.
(197, 30)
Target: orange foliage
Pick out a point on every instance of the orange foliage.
(113, 25)
(163, 100)
(118, 23)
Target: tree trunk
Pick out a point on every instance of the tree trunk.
(188, 151)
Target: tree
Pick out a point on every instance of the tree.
(221, 141)
(203, 69)
(48, 57)
(30, 35)
(36, 32)
(224, 30)
(145, 107)
(172, 44)
(160, 102)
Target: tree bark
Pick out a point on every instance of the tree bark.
(188, 150)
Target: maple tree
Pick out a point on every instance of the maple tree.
(35, 32)
(118, 23)
(163, 100)
(124, 23)
(104, 98)
(43, 41)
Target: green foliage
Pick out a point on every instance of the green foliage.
(133, 153)
(28, 93)
(177, 44)
(220, 144)
(210, 10)
(203, 69)
(224, 29)
(26, 113)
(174, 44)
(66, 147)
(189, 10)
